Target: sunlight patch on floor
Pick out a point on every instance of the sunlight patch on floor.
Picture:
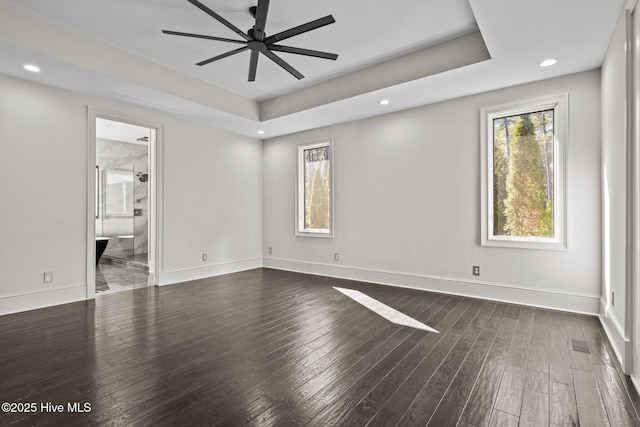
(391, 314)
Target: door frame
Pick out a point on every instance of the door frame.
(156, 151)
(632, 307)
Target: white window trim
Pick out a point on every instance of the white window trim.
(299, 202)
(560, 105)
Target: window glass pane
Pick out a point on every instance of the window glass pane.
(317, 188)
(523, 157)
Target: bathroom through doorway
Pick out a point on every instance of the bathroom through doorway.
(124, 212)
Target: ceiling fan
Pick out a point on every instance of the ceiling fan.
(258, 42)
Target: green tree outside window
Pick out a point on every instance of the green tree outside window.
(523, 175)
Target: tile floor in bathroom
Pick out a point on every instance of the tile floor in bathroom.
(116, 277)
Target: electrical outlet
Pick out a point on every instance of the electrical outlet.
(48, 277)
(336, 256)
(270, 250)
(476, 270)
(204, 257)
(613, 298)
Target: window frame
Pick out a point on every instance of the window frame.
(300, 231)
(560, 106)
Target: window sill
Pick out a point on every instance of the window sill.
(320, 234)
(537, 244)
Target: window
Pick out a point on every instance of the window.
(523, 181)
(314, 193)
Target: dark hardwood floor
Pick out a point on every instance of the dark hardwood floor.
(266, 347)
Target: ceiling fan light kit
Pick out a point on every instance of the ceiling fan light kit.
(256, 41)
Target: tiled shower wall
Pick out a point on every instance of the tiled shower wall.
(124, 156)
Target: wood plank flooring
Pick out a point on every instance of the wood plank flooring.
(266, 347)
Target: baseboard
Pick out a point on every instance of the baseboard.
(635, 380)
(16, 303)
(622, 345)
(544, 298)
(169, 277)
(616, 339)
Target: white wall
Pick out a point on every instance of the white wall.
(407, 203)
(42, 188)
(212, 202)
(614, 231)
(212, 196)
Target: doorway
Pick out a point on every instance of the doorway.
(123, 209)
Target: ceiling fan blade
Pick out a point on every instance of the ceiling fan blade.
(261, 19)
(253, 65)
(300, 51)
(220, 19)
(200, 36)
(272, 56)
(224, 55)
(321, 22)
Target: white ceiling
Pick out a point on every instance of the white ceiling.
(114, 49)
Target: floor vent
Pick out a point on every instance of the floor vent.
(580, 346)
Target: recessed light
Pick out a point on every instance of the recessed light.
(31, 67)
(383, 102)
(548, 62)
(260, 132)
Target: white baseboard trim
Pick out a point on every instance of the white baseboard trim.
(15, 303)
(635, 379)
(616, 340)
(575, 302)
(33, 300)
(169, 277)
(621, 344)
